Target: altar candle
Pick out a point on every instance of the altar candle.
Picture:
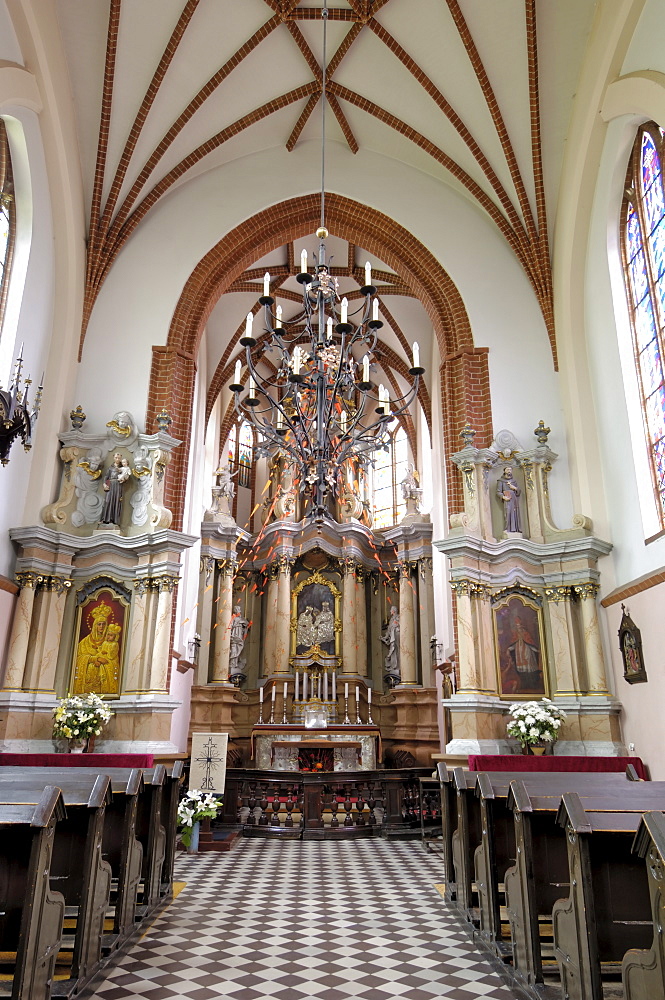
(248, 325)
(368, 273)
(261, 695)
(346, 689)
(416, 354)
(369, 696)
(334, 686)
(329, 328)
(278, 323)
(304, 685)
(236, 374)
(273, 692)
(266, 284)
(325, 686)
(375, 309)
(357, 695)
(295, 697)
(366, 368)
(345, 310)
(303, 262)
(286, 692)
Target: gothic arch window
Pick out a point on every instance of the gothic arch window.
(390, 467)
(240, 452)
(7, 219)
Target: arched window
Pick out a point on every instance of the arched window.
(390, 468)
(240, 452)
(7, 219)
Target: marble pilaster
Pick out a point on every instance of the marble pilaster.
(408, 662)
(361, 623)
(220, 667)
(593, 647)
(349, 633)
(137, 640)
(268, 665)
(46, 631)
(562, 637)
(20, 633)
(161, 649)
(283, 616)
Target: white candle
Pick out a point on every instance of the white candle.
(273, 691)
(280, 420)
(236, 374)
(266, 283)
(381, 395)
(261, 695)
(346, 689)
(296, 360)
(334, 686)
(368, 273)
(357, 696)
(278, 323)
(345, 309)
(295, 698)
(369, 696)
(304, 685)
(248, 325)
(286, 691)
(375, 309)
(343, 421)
(329, 328)
(416, 354)
(303, 262)
(366, 368)
(325, 686)
(251, 386)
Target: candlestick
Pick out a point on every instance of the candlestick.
(278, 313)
(357, 704)
(260, 722)
(416, 354)
(272, 706)
(368, 273)
(266, 284)
(347, 720)
(345, 310)
(370, 720)
(375, 309)
(303, 262)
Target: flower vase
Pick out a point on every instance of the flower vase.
(538, 751)
(77, 746)
(194, 842)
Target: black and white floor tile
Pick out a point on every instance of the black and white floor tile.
(299, 921)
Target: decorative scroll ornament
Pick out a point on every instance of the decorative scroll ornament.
(558, 594)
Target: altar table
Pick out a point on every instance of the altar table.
(551, 762)
(276, 747)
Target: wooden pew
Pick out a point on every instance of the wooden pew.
(120, 848)
(497, 851)
(464, 841)
(31, 914)
(448, 826)
(608, 910)
(643, 971)
(169, 819)
(77, 867)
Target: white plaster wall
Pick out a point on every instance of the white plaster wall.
(642, 715)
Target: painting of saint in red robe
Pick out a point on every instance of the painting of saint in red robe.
(519, 649)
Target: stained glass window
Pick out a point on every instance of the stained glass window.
(390, 468)
(7, 218)
(643, 225)
(245, 453)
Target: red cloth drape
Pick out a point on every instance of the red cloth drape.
(524, 762)
(97, 760)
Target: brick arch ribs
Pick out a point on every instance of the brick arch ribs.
(464, 369)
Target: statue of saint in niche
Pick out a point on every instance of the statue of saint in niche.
(509, 493)
(118, 473)
(390, 638)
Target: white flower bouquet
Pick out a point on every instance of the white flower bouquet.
(194, 806)
(534, 722)
(79, 717)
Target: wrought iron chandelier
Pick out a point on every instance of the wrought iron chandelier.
(320, 409)
(16, 417)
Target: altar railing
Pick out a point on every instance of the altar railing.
(316, 806)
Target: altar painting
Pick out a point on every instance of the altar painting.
(99, 644)
(519, 648)
(315, 617)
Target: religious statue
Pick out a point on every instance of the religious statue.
(305, 630)
(225, 482)
(390, 638)
(411, 490)
(98, 655)
(509, 493)
(325, 624)
(89, 502)
(118, 473)
(239, 630)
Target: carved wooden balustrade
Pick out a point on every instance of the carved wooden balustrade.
(330, 804)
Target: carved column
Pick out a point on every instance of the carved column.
(593, 649)
(220, 667)
(267, 667)
(161, 649)
(42, 658)
(361, 623)
(469, 665)
(349, 634)
(204, 614)
(283, 623)
(561, 631)
(134, 679)
(408, 661)
(426, 611)
(20, 634)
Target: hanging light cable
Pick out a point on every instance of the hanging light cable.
(320, 409)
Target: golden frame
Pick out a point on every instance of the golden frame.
(316, 577)
(119, 609)
(510, 607)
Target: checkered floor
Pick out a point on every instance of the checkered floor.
(294, 921)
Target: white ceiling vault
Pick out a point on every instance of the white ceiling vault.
(476, 93)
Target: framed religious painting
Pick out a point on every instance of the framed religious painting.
(630, 644)
(519, 645)
(102, 617)
(315, 616)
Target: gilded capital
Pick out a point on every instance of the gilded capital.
(470, 588)
(558, 594)
(586, 590)
(141, 586)
(227, 567)
(164, 584)
(31, 580)
(56, 584)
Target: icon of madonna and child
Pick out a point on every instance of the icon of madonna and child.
(316, 620)
(98, 650)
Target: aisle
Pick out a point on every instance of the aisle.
(289, 921)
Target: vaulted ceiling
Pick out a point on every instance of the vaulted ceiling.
(477, 93)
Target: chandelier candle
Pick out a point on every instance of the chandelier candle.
(375, 310)
(266, 284)
(303, 262)
(368, 273)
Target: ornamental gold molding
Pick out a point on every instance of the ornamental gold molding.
(470, 588)
(586, 591)
(558, 594)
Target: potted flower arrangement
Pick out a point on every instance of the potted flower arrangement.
(78, 719)
(535, 724)
(192, 808)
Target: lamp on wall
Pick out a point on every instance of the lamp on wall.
(320, 408)
(16, 417)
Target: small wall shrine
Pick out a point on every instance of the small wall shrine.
(524, 596)
(97, 580)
